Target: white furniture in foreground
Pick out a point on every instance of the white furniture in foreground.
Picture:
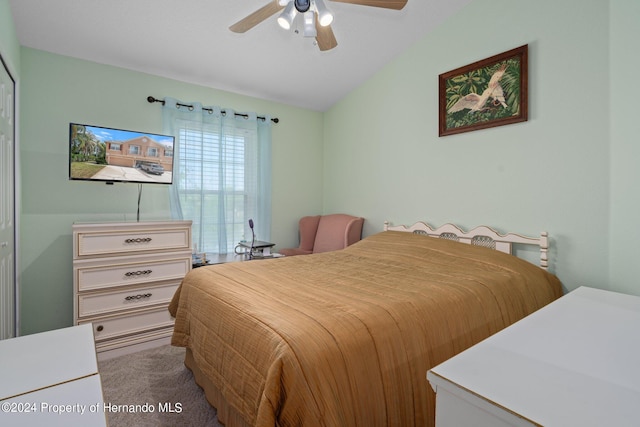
(575, 362)
(51, 379)
(124, 276)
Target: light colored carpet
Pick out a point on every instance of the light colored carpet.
(159, 383)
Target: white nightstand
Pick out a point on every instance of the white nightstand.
(51, 379)
(571, 363)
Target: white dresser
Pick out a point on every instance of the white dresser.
(51, 379)
(575, 362)
(124, 275)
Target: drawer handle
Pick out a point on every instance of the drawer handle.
(138, 240)
(138, 273)
(139, 296)
(99, 328)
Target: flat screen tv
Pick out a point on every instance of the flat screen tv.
(114, 155)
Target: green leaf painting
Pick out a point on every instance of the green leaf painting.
(471, 100)
(488, 93)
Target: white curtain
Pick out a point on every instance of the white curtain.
(221, 173)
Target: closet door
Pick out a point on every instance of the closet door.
(7, 205)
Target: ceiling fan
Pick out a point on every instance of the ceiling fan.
(317, 17)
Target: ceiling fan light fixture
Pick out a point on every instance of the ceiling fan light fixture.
(309, 28)
(325, 16)
(285, 20)
(302, 5)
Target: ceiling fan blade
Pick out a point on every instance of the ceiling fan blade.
(387, 4)
(256, 17)
(325, 38)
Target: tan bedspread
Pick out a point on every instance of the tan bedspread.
(345, 338)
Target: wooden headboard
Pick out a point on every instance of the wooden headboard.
(480, 236)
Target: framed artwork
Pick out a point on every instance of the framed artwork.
(488, 93)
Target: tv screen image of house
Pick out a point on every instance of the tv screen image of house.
(114, 155)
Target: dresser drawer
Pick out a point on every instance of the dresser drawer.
(129, 324)
(103, 303)
(133, 273)
(113, 243)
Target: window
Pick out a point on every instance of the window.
(152, 152)
(222, 172)
(215, 186)
(134, 149)
(114, 146)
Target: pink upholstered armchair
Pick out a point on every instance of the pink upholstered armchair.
(324, 233)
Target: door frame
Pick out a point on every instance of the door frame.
(16, 194)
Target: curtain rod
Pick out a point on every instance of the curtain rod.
(151, 100)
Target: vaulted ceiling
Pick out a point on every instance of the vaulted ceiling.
(190, 40)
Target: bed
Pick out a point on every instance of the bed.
(345, 338)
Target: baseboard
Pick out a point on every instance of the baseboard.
(106, 354)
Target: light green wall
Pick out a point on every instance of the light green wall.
(58, 90)
(625, 146)
(571, 169)
(385, 161)
(9, 46)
